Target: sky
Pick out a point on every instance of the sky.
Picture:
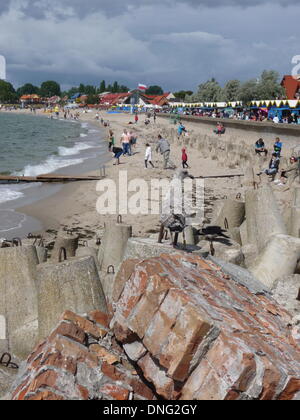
(176, 44)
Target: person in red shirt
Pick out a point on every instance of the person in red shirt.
(136, 118)
(184, 159)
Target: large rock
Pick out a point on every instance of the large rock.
(231, 215)
(113, 245)
(66, 366)
(294, 223)
(198, 334)
(65, 240)
(18, 298)
(263, 217)
(278, 259)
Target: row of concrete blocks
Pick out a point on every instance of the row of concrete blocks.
(36, 291)
(271, 248)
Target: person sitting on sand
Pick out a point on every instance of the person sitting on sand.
(260, 147)
(273, 166)
(118, 152)
(278, 147)
(220, 129)
(148, 156)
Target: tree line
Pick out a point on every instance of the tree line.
(51, 88)
(267, 86)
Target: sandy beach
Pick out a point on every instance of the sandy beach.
(74, 206)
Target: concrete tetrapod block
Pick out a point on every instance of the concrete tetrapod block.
(67, 241)
(18, 298)
(87, 251)
(42, 252)
(263, 217)
(278, 259)
(294, 224)
(72, 285)
(114, 243)
(231, 214)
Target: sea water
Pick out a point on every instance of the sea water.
(33, 145)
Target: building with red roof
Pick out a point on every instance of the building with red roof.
(291, 85)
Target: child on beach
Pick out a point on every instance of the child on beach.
(184, 159)
(148, 156)
(111, 140)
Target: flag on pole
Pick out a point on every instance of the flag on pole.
(142, 87)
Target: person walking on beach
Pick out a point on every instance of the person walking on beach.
(136, 118)
(125, 140)
(184, 159)
(163, 147)
(148, 156)
(111, 140)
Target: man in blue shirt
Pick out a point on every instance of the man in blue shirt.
(278, 147)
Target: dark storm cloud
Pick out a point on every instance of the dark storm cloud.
(63, 8)
(169, 42)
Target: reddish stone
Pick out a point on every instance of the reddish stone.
(55, 359)
(153, 373)
(87, 326)
(37, 351)
(45, 396)
(122, 277)
(84, 392)
(100, 318)
(104, 354)
(123, 334)
(116, 392)
(44, 379)
(69, 330)
(292, 388)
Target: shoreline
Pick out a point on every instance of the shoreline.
(37, 211)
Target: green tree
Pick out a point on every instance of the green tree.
(268, 86)
(49, 89)
(123, 89)
(28, 89)
(182, 94)
(102, 87)
(209, 91)
(116, 87)
(7, 92)
(154, 90)
(248, 91)
(231, 90)
(90, 90)
(92, 99)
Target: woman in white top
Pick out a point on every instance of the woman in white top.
(148, 156)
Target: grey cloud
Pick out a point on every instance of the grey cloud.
(63, 8)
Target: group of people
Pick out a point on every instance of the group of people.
(274, 164)
(128, 140)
